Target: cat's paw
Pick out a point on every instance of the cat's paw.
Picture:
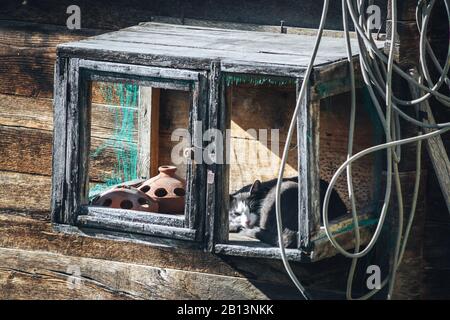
(251, 233)
(234, 227)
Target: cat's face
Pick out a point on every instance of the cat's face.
(243, 212)
(241, 215)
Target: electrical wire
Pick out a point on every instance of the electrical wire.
(377, 71)
(286, 151)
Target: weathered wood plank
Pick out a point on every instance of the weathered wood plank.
(27, 274)
(28, 234)
(27, 55)
(439, 157)
(308, 166)
(195, 208)
(334, 78)
(130, 226)
(148, 131)
(151, 72)
(206, 39)
(246, 26)
(75, 146)
(37, 113)
(31, 234)
(195, 47)
(25, 193)
(435, 146)
(216, 220)
(258, 252)
(135, 216)
(22, 146)
(93, 14)
(155, 132)
(145, 124)
(342, 229)
(59, 136)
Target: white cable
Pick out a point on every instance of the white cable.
(286, 151)
(377, 71)
(350, 149)
(353, 159)
(397, 69)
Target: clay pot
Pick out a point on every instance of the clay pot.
(126, 197)
(167, 189)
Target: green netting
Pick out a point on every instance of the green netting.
(362, 223)
(122, 141)
(236, 79)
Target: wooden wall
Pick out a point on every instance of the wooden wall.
(113, 14)
(334, 124)
(37, 262)
(255, 108)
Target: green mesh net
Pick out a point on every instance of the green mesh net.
(121, 100)
(237, 79)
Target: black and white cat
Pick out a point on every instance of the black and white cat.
(252, 210)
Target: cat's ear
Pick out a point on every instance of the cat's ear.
(256, 186)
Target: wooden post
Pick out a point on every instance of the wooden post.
(435, 146)
(308, 166)
(217, 176)
(59, 139)
(148, 132)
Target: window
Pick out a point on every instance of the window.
(121, 124)
(258, 111)
(221, 102)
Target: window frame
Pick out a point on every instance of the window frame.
(205, 224)
(312, 242)
(73, 78)
(218, 195)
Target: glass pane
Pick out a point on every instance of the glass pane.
(334, 120)
(260, 117)
(131, 142)
(114, 123)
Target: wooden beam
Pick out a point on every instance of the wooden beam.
(26, 231)
(25, 193)
(135, 227)
(438, 155)
(308, 165)
(435, 147)
(217, 178)
(154, 131)
(31, 274)
(60, 106)
(148, 131)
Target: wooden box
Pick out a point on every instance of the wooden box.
(164, 77)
